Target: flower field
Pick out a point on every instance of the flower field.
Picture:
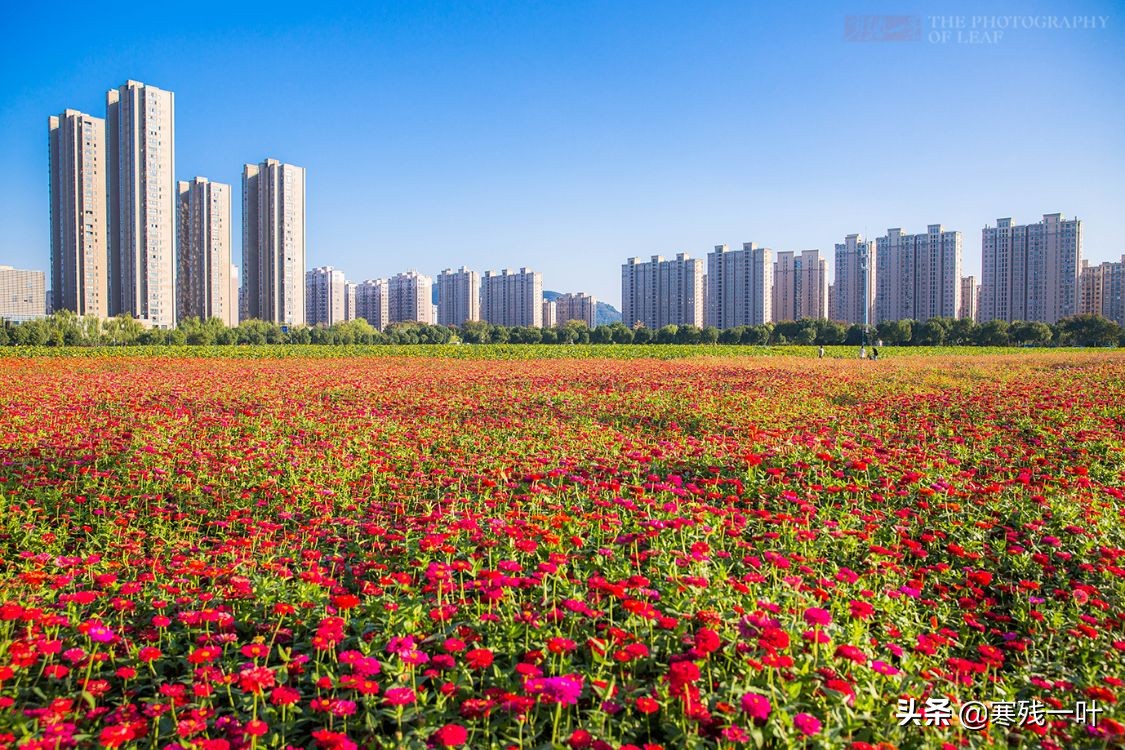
(713, 552)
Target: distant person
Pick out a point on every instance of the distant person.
(820, 352)
(863, 352)
(874, 353)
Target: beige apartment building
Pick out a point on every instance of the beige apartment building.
(918, 276)
(550, 317)
(662, 292)
(739, 286)
(580, 306)
(23, 294)
(273, 242)
(512, 298)
(854, 287)
(79, 245)
(372, 302)
(141, 211)
(458, 296)
(410, 298)
(325, 296)
(204, 250)
(1030, 272)
(800, 286)
(969, 292)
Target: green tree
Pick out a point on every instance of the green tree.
(894, 331)
(475, 332)
(667, 334)
(931, 333)
(830, 333)
(962, 332)
(642, 335)
(1089, 330)
(993, 333)
(1029, 333)
(601, 335)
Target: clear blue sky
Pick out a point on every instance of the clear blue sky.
(570, 136)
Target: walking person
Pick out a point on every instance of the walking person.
(874, 354)
(863, 352)
(820, 352)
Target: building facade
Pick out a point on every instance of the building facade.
(550, 319)
(968, 308)
(349, 301)
(141, 210)
(458, 296)
(410, 298)
(325, 296)
(203, 252)
(662, 292)
(918, 276)
(273, 242)
(854, 287)
(512, 298)
(79, 243)
(580, 306)
(23, 294)
(739, 288)
(372, 302)
(1030, 272)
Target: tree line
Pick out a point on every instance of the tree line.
(64, 328)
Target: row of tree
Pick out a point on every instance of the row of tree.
(66, 329)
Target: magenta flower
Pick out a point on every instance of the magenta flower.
(807, 724)
(756, 706)
(817, 616)
(565, 689)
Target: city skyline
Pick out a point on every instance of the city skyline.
(593, 150)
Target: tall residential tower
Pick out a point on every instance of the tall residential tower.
(140, 146)
(203, 268)
(79, 250)
(273, 242)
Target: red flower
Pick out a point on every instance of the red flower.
(451, 735)
(479, 658)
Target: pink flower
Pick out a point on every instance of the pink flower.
(756, 706)
(817, 616)
(807, 724)
(399, 696)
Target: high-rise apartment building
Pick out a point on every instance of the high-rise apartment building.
(855, 280)
(458, 296)
(410, 298)
(273, 241)
(23, 294)
(800, 286)
(235, 295)
(512, 299)
(580, 306)
(349, 301)
(918, 276)
(662, 292)
(325, 296)
(1113, 291)
(141, 210)
(550, 318)
(968, 309)
(1030, 272)
(739, 286)
(204, 250)
(79, 245)
(372, 302)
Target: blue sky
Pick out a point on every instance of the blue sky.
(570, 136)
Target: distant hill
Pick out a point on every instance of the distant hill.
(603, 315)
